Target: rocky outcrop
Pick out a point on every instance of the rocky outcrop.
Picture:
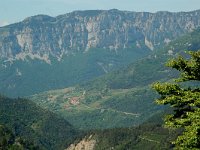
(85, 144)
(44, 36)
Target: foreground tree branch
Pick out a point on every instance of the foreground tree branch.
(185, 101)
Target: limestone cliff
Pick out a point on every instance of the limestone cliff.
(44, 36)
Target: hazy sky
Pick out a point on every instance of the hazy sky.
(16, 10)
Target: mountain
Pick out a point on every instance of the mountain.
(26, 120)
(121, 98)
(43, 36)
(56, 52)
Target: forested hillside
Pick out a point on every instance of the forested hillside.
(28, 121)
(9, 141)
(149, 135)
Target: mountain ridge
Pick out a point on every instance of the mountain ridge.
(44, 35)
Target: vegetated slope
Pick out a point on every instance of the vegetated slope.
(57, 52)
(150, 69)
(119, 99)
(40, 126)
(21, 78)
(149, 135)
(10, 141)
(144, 137)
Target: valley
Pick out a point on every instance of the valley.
(121, 98)
(99, 110)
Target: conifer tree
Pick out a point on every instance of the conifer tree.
(184, 100)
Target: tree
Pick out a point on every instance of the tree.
(184, 100)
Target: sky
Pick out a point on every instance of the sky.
(12, 11)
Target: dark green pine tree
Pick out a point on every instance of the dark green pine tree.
(184, 100)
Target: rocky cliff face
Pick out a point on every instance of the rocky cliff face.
(84, 144)
(43, 36)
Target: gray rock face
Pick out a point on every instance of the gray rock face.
(43, 36)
